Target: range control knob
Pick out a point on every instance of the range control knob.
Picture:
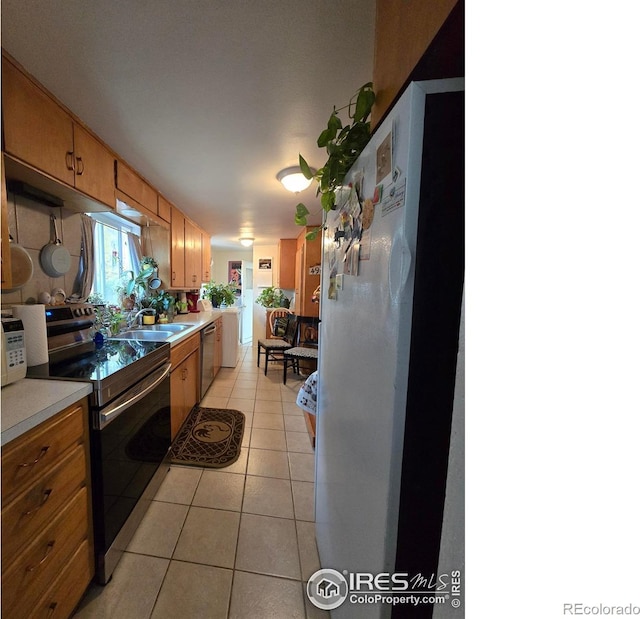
(77, 312)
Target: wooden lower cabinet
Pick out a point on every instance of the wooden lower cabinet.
(185, 381)
(61, 598)
(30, 576)
(47, 536)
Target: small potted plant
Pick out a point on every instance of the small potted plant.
(164, 304)
(273, 297)
(219, 294)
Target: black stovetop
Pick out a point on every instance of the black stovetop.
(111, 368)
(96, 364)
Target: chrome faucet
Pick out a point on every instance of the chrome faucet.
(134, 320)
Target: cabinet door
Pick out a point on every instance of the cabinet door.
(192, 256)
(177, 248)
(206, 257)
(36, 129)
(185, 380)
(286, 264)
(4, 222)
(94, 167)
(130, 183)
(192, 380)
(312, 258)
(164, 209)
(299, 279)
(178, 412)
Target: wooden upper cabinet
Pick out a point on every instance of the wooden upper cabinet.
(164, 209)
(206, 257)
(308, 255)
(94, 166)
(177, 248)
(42, 134)
(36, 129)
(192, 255)
(187, 260)
(286, 275)
(404, 31)
(130, 183)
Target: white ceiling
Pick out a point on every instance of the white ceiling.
(207, 99)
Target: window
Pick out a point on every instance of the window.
(115, 253)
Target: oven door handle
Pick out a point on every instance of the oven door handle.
(135, 394)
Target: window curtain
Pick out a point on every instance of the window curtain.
(84, 280)
(135, 250)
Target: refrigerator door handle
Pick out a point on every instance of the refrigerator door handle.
(400, 259)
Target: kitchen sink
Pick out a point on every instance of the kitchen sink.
(143, 334)
(153, 333)
(171, 328)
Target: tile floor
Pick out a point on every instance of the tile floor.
(234, 543)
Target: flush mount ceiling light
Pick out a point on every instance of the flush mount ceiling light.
(293, 179)
(246, 241)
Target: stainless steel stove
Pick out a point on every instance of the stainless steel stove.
(112, 368)
(130, 421)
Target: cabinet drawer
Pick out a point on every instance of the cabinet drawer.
(33, 454)
(69, 587)
(183, 350)
(30, 576)
(34, 509)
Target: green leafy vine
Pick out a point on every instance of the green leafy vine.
(343, 145)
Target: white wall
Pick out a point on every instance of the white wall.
(221, 258)
(30, 226)
(259, 313)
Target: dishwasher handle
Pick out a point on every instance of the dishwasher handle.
(209, 331)
(135, 394)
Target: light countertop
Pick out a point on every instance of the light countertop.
(28, 402)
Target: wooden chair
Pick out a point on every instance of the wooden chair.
(275, 347)
(278, 321)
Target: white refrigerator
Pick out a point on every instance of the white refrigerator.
(392, 277)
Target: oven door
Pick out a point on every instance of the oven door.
(130, 439)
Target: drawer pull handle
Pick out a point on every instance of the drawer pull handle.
(46, 555)
(41, 455)
(45, 495)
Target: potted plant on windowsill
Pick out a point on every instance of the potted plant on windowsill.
(219, 294)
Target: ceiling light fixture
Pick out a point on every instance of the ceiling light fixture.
(246, 241)
(293, 179)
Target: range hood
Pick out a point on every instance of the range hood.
(40, 187)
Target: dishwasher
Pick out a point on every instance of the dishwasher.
(207, 356)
